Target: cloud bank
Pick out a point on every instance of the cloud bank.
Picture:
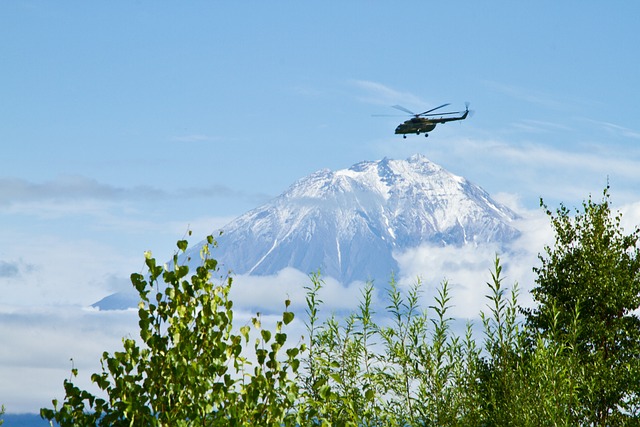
(74, 188)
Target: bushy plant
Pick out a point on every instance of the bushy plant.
(339, 386)
(189, 366)
(594, 270)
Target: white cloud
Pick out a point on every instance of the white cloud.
(467, 269)
(37, 345)
(38, 342)
(267, 293)
(69, 187)
(630, 216)
(540, 126)
(613, 129)
(73, 193)
(56, 270)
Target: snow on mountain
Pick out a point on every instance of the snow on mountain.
(349, 223)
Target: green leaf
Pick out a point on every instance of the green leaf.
(244, 330)
(256, 322)
(369, 394)
(281, 338)
(287, 317)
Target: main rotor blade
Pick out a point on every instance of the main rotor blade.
(442, 114)
(401, 108)
(433, 109)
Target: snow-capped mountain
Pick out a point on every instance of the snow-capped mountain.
(348, 223)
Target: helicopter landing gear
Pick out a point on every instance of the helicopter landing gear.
(404, 136)
(426, 135)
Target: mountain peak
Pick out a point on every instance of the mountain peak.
(421, 159)
(348, 223)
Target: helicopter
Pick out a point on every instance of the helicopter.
(426, 122)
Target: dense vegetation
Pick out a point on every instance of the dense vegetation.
(571, 360)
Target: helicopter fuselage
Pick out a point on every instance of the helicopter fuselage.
(416, 125)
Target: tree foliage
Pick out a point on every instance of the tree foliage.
(588, 289)
(572, 359)
(189, 366)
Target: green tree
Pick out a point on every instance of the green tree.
(189, 366)
(593, 269)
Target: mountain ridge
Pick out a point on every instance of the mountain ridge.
(349, 222)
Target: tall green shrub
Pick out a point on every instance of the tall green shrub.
(594, 269)
(190, 366)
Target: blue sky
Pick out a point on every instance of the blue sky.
(123, 124)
